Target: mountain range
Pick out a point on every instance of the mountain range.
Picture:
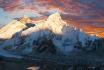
(49, 36)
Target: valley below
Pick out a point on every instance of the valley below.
(74, 61)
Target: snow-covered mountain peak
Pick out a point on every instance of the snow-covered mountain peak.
(55, 23)
(54, 17)
(25, 19)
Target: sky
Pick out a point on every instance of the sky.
(10, 9)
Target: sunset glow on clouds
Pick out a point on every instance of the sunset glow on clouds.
(10, 9)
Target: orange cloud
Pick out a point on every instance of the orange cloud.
(64, 5)
(71, 7)
(9, 4)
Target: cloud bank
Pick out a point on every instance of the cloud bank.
(10, 9)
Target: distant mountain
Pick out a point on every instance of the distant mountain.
(47, 36)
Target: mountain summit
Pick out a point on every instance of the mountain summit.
(25, 19)
(55, 23)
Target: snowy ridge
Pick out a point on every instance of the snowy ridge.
(10, 29)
